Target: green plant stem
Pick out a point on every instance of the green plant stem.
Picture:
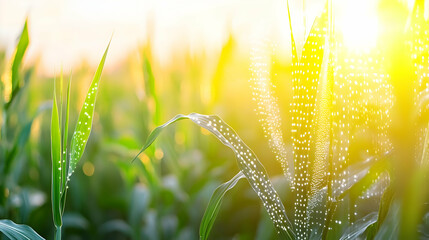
(58, 233)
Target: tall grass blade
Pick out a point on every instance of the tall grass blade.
(248, 163)
(84, 124)
(214, 205)
(18, 231)
(56, 163)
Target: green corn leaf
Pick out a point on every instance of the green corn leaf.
(56, 163)
(19, 55)
(84, 124)
(18, 231)
(214, 205)
(356, 230)
(64, 164)
(248, 163)
(309, 153)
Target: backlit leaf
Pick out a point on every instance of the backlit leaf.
(84, 124)
(248, 163)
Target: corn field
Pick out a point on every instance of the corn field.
(330, 144)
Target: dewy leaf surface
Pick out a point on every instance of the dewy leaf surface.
(248, 162)
(268, 108)
(306, 75)
(84, 124)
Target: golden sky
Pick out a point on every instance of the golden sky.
(63, 32)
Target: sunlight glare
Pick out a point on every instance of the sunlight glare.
(359, 24)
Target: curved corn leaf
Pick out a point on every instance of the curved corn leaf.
(359, 227)
(84, 124)
(18, 231)
(214, 205)
(248, 163)
(56, 163)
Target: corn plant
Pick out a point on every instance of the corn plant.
(337, 93)
(63, 165)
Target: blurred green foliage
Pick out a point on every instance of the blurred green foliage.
(109, 198)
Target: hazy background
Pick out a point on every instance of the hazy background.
(64, 32)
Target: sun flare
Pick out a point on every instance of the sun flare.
(359, 24)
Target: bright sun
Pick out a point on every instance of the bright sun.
(359, 24)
